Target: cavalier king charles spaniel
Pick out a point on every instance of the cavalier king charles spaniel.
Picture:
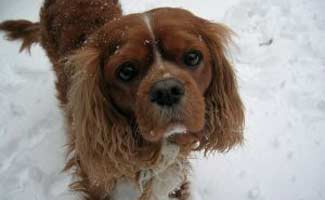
(140, 92)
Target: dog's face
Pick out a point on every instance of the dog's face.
(165, 73)
(159, 72)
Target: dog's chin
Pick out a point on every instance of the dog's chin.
(180, 135)
(175, 130)
(176, 133)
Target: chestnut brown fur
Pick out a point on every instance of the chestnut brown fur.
(113, 129)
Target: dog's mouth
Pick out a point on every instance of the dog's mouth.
(164, 118)
(175, 130)
(180, 134)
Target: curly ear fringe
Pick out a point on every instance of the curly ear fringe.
(99, 143)
(224, 108)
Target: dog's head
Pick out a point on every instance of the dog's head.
(160, 74)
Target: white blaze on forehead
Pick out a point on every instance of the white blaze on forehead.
(147, 21)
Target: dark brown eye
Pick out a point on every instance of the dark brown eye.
(192, 58)
(127, 71)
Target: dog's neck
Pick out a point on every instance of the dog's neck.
(169, 154)
(166, 176)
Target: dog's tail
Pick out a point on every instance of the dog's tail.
(23, 30)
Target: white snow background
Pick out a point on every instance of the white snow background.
(280, 62)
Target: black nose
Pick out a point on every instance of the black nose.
(167, 92)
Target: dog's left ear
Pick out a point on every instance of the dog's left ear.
(224, 108)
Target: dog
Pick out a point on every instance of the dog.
(140, 92)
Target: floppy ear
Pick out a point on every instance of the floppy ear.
(94, 142)
(98, 133)
(86, 103)
(97, 128)
(224, 108)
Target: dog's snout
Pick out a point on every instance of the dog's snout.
(167, 92)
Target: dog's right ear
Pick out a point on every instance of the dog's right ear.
(86, 103)
(99, 134)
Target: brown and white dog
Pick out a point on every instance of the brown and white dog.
(140, 92)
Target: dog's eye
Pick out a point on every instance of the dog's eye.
(192, 58)
(127, 71)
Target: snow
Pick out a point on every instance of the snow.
(280, 62)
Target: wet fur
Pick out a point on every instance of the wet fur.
(104, 146)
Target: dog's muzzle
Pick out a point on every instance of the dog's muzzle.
(167, 92)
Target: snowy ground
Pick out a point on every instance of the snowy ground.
(281, 66)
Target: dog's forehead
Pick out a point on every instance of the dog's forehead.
(164, 22)
(146, 29)
(155, 22)
(168, 20)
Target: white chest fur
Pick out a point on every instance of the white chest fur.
(125, 190)
(167, 181)
(166, 177)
